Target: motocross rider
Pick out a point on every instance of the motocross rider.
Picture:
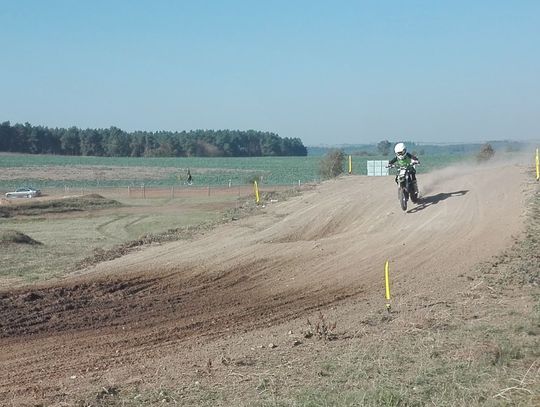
(407, 160)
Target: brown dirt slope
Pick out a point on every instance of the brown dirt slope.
(326, 247)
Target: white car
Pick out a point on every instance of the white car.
(24, 193)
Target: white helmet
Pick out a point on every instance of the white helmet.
(400, 150)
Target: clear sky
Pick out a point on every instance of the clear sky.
(328, 72)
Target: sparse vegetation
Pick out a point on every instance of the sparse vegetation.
(321, 328)
(331, 165)
(486, 153)
(519, 265)
(14, 237)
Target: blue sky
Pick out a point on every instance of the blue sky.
(328, 72)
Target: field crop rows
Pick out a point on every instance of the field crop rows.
(90, 172)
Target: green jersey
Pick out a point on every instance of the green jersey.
(403, 162)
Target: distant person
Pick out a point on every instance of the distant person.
(403, 159)
(189, 177)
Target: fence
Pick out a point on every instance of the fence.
(377, 168)
(151, 192)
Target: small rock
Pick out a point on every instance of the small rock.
(297, 342)
(272, 345)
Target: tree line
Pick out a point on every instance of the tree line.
(114, 142)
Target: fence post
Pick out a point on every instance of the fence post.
(256, 187)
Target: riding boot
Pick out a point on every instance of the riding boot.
(415, 187)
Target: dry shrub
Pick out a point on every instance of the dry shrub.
(331, 166)
(322, 328)
(486, 153)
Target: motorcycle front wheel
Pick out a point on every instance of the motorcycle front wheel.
(414, 198)
(402, 196)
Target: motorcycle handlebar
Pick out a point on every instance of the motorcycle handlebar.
(395, 166)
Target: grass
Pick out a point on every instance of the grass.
(71, 231)
(10, 237)
(488, 364)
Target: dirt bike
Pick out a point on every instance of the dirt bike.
(405, 186)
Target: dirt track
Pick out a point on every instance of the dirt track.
(326, 247)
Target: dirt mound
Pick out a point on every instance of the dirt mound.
(164, 305)
(14, 237)
(92, 196)
(36, 207)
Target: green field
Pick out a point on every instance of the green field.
(172, 171)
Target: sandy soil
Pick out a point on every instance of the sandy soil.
(170, 306)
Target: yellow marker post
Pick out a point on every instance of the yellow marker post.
(387, 284)
(350, 164)
(537, 166)
(256, 187)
